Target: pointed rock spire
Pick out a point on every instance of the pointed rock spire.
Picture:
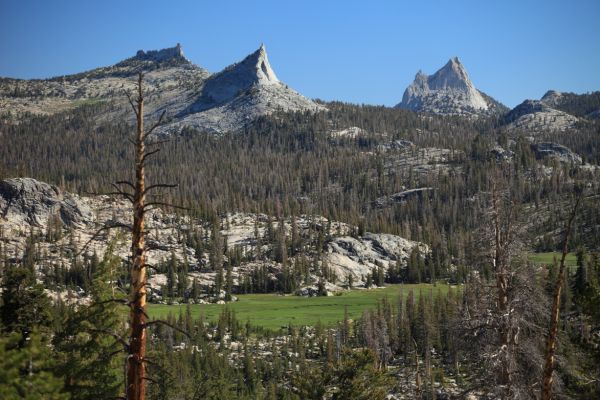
(447, 91)
(451, 75)
(259, 60)
(252, 70)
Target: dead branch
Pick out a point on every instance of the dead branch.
(156, 125)
(546, 392)
(148, 154)
(131, 103)
(161, 322)
(125, 183)
(105, 228)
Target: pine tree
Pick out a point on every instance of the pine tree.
(228, 284)
(581, 275)
(25, 306)
(27, 369)
(195, 290)
(91, 339)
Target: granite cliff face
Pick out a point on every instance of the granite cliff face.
(356, 257)
(26, 201)
(449, 91)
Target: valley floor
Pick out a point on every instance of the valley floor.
(273, 311)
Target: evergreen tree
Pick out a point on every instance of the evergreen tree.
(27, 370)
(25, 306)
(90, 351)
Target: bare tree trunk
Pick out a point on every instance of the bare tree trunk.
(547, 379)
(502, 238)
(417, 373)
(137, 341)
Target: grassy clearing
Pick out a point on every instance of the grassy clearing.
(272, 311)
(87, 102)
(548, 258)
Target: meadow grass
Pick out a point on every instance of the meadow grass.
(548, 257)
(273, 311)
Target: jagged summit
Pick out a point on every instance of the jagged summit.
(239, 94)
(258, 62)
(252, 70)
(144, 61)
(169, 56)
(161, 55)
(451, 75)
(448, 91)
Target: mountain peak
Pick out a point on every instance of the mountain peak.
(451, 75)
(258, 64)
(227, 84)
(448, 91)
(240, 93)
(161, 55)
(552, 98)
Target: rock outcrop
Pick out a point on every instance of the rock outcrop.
(535, 116)
(347, 255)
(501, 154)
(401, 197)
(556, 151)
(449, 91)
(161, 55)
(28, 201)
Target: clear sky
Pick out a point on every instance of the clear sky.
(356, 51)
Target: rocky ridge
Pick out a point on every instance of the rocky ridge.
(537, 116)
(189, 94)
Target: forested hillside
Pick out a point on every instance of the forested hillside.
(347, 198)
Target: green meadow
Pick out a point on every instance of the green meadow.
(548, 258)
(273, 311)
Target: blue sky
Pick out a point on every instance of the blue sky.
(356, 51)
